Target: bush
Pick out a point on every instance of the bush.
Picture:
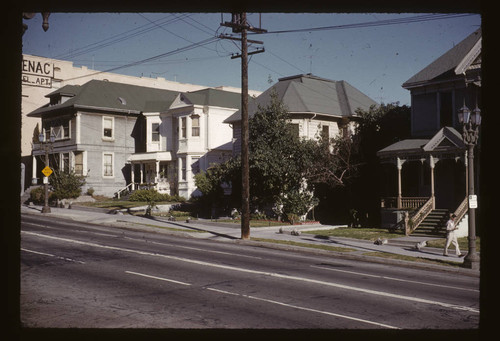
(152, 195)
(37, 195)
(66, 185)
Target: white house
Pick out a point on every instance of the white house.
(185, 139)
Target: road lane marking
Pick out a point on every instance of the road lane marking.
(196, 248)
(394, 278)
(155, 277)
(271, 274)
(50, 255)
(152, 242)
(304, 308)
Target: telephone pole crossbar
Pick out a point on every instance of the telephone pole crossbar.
(239, 25)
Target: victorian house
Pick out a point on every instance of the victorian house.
(122, 136)
(425, 177)
(316, 106)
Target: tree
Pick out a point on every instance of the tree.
(66, 185)
(377, 128)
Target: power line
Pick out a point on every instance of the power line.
(166, 54)
(407, 20)
(153, 25)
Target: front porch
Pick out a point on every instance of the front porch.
(431, 182)
(154, 170)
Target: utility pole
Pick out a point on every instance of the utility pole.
(239, 25)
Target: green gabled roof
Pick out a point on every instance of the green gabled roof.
(444, 66)
(311, 94)
(111, 96)
(214, 97)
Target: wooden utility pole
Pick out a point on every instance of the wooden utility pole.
(239, 25)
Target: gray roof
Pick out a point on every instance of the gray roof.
(447, 139)
(214, 97)
(444, 66)
(311, 94)
(117, 97)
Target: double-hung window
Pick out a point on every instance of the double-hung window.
(155, 132)
(195, 125)
(107, 164)
(108, 128)
(183, 127)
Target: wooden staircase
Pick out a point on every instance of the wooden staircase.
(434, 224)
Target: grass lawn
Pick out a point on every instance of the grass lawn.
(357, 233)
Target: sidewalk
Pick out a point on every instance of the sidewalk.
(405, 245)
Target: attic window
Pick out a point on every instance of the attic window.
(122, 100)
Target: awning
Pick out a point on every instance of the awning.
(150, 157)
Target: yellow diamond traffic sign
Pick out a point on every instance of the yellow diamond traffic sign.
(47, 171)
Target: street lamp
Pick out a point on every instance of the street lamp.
(470, 122)
(46, 146)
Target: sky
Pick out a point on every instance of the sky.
(374, 52)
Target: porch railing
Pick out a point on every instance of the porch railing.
(461, 210)
(412, 221)
(404, 203)
(119, 193)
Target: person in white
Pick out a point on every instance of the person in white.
(451, 237)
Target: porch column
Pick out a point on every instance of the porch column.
(142, 173)
(132, 178)
(399, 164)
(432, 163)
(33, 171)
(157, 177)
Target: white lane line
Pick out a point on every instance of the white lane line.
(198, 249)
(155, 277)
(394, 279)
(50, 255)
(271, 274)
(153, 242)
(306, 309)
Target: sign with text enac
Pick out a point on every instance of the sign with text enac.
(37, 72)
(47, 171)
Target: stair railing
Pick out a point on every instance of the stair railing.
(412, 222)
(126, 188)
(461, 210)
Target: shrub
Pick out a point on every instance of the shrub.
(145, 195)
(37, 195)
(66, 185)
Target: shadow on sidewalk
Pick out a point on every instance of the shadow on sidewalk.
(190, 227)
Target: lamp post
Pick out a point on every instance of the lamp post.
(46, 146)
(470, 122)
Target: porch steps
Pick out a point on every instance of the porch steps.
(434, 224)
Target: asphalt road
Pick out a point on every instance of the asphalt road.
(76, 275)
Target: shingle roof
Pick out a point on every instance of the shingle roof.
(311, 94)
(446, 139)
(444, 66)
(214, 97)
(111, 96)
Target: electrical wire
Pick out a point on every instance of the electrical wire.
(398, 21)
(166, 54)
(119, 37)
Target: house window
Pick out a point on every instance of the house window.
(294, 127)
(325, 131)
(65, 162)
(107, 127)
(446, 109)
(183, 127)
(79, 163)
(195, 165)
(155, 132)
(107, 164)
(195, 125)
(183, 168)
